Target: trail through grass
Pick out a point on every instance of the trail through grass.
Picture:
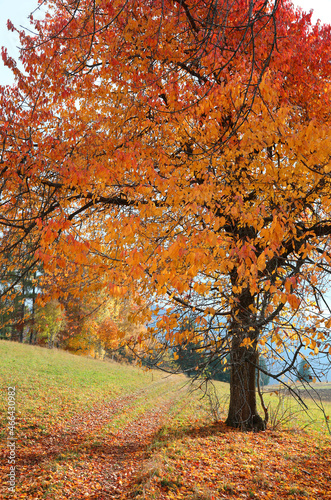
(83, 426)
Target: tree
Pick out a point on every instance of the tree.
(49, 320)
(166, 145)
(264, 377)
(304, 371)
(96, 322)
(19, 281)
(195, 359)
(189, 358)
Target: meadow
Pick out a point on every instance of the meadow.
(89, 429)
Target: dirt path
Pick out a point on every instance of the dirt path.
(97, 454)
(124, 454)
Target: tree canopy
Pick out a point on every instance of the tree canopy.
(180, 147)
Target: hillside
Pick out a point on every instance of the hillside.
(100, 430)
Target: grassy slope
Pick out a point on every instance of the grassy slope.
(56, 384)
(98, 405)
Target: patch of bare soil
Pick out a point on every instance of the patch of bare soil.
(317, 392)
(323, 393)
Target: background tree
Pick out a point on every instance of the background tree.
(304, 371)
(18, 286)
(49, 321)
(264, 377)
(97, 320)
(194, 359)
(167, 146)
(189, 359)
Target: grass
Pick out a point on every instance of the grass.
(287, 413)
(86, 426)
(54, 384)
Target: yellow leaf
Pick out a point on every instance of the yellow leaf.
(246, 342)
(261, 262)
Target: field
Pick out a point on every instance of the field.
(88, 429)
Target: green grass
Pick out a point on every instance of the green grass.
(89, 401)
(56, 384)
(285, 412)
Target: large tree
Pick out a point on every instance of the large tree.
(181, 146)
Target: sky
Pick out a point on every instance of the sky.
(18, 10)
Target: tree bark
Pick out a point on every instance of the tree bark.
(243, 412)
(32, 339)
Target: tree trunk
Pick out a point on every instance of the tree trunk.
(32, 338)
(242, 408)
(244, 361)
(21, 314)
(21, 320)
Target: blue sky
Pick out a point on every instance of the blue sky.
(18, 10)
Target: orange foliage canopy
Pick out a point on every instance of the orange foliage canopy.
(184, 149)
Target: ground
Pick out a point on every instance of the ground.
(99, 431)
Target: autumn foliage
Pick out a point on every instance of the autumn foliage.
(181, 148)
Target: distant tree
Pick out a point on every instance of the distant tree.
(304, 371)
(18, 284)
(49, 320)
(219, 369)
(189, 358)
(264, 377)
(193, 358)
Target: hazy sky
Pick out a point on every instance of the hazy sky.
(18, 10)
